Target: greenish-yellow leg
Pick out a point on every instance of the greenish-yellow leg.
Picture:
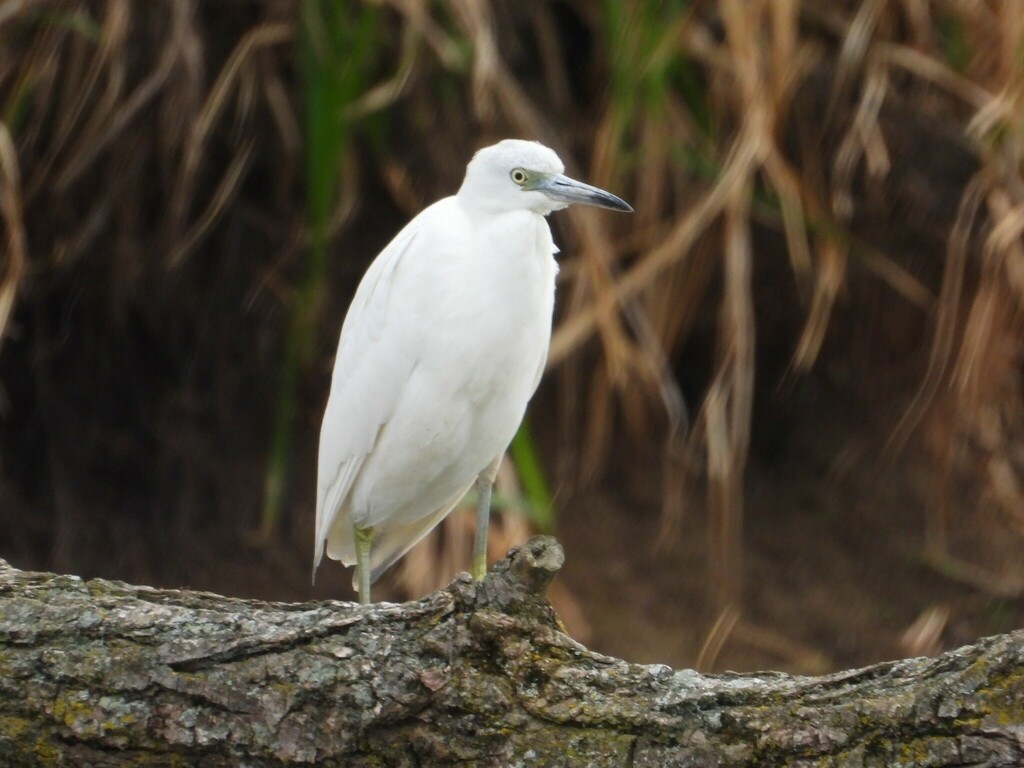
(483, 519)
(364, 540)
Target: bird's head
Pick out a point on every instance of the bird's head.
(517, 175)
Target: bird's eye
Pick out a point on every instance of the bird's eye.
(518, 176)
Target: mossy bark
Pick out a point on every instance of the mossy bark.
(108, 674)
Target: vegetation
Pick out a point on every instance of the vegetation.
(828, 223)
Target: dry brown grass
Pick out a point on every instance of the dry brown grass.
(635, 293)
(696, 124)
(10, 210)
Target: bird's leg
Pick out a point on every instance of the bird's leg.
(364, 540)
(483, 519)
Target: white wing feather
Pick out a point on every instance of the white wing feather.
(381, 340)
(365, 386)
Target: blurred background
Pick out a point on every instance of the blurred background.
(782, 425)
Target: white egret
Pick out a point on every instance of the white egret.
(442, 348)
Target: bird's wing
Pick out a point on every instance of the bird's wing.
(382, 339)
(366, 385)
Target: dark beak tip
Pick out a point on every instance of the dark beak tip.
(618, 204)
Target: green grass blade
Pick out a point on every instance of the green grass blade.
(531, 476)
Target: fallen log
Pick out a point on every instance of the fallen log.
(106, 674)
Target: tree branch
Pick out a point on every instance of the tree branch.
(105, 673)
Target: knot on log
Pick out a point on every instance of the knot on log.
(534, 563)
(517, 585)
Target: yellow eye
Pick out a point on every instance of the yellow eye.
(518, 176)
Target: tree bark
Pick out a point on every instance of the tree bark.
(106, 674)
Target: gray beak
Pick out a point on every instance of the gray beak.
(567, 190)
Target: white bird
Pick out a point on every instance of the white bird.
(442, 348)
